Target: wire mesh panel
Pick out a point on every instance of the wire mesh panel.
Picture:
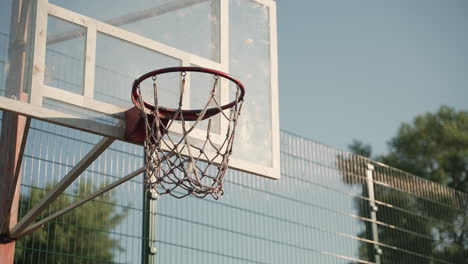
(105, 230)
(321, 211)
(422, 221)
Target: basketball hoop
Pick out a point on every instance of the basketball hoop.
(178, 162)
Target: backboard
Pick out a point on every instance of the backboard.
(82, 57)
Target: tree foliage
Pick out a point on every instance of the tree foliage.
(359, 148)
(80, 236)
(434, 146)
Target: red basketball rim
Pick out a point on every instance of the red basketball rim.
(189, 115)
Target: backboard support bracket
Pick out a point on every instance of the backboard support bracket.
(26, 225)
(33, 227)
(58, 189)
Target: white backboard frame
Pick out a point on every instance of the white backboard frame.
(40, 91)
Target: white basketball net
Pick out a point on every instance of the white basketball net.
(175, 162)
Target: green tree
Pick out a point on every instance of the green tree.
(359, 148)
(80, 236)
(435, 147)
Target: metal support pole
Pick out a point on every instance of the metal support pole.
(149, 227)
(13, 138)
(153, 201)
(76, 171)
(51, 217)
(373, 214)
(14, 127)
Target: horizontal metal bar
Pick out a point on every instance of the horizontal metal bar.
(60, 118)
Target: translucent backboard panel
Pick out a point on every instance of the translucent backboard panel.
(188, 25)
(65, 58)
(113, 74)
(84, 55)
(249, 60)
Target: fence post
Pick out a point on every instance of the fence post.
(373, 212)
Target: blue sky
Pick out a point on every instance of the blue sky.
(358, 69)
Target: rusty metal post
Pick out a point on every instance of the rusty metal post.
(14, 127)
